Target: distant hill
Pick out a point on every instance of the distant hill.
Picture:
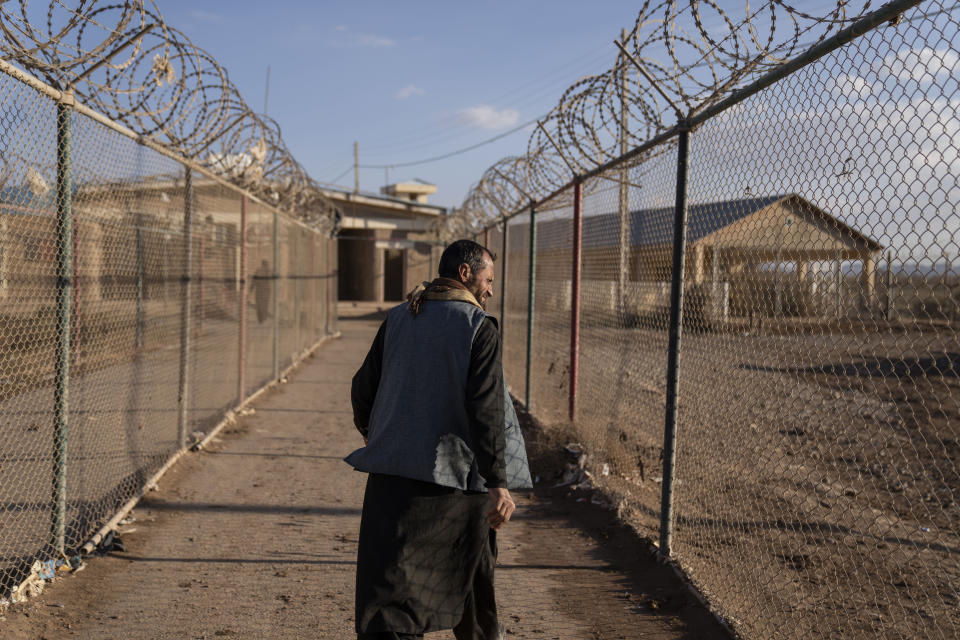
(926, 267)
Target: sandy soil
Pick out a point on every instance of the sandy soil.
(818, 476)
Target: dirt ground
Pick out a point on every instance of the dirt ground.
(817, 472)
(255, 537)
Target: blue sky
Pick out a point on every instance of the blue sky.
(410, 80)
(406, 80)
(420, 79)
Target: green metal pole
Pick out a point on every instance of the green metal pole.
(64, 294)
(242, 310)
(297, 261)
(530, 297)
(575, 279)
(276, 297)
(671, 409)
(183, 392)
(331, 282)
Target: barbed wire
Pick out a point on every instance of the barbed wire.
(691, 55)
(123, 60)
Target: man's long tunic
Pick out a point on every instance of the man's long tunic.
(431, 400)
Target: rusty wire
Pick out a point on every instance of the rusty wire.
(123, 60)
(695, 53)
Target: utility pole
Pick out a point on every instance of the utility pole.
(356, 167)
(266, 93)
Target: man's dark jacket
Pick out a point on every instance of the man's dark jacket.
(431, 399)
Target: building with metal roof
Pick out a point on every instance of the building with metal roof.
(727, 241)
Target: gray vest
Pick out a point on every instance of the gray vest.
(419, 427)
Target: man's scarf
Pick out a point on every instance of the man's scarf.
(439, 289)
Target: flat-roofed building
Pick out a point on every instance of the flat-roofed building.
(386, 243)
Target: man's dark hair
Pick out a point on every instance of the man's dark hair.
(460, 252)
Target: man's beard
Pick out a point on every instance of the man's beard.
(475, 290)
(480, 299)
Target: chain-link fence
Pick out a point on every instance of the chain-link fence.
(752, 325)
(141, 299)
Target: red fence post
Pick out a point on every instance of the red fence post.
(503, 281)
(242, 351)
(575, 296)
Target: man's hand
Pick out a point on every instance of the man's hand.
(503, 508)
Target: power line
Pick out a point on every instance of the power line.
(345, 172)
(546, 84)
(443, 134)
(524, 98)
(535, 95)
(452, 153)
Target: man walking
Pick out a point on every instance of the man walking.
(442, 447)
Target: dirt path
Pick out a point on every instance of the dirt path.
(255, 537)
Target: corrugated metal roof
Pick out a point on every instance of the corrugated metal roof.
(651, 226)
(654, 227)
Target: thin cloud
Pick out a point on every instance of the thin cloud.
(484, 116)
(206, 16)
(922, 65)
(854, 86)
(371, 40)
(346, 38)
(408, 92)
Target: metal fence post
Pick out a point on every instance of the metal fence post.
(75, 317)
(242, 312)
(139, 330)
(575, 295)
(64, 241)
(503, 284)
(183, 390)
(838, 283)
(623, 248)
(888, 313)
(673, 353)
(297, 262)
(330, 283)
(531, 289)
(201, 308)
(276, 296)
(777, 286)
